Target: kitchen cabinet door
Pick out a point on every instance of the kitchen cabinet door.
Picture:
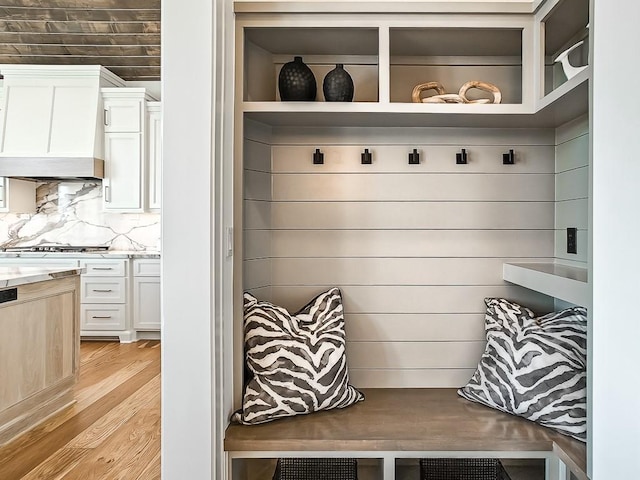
(154, 176)
(123, 115)
(123, 172)
(146, 303)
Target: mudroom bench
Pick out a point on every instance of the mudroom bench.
(393, 428)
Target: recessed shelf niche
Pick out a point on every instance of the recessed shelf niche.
(268, 49)
(563, 27)
(454, 56)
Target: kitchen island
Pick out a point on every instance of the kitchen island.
(39, 344)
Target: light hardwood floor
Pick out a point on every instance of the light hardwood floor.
(112, 432)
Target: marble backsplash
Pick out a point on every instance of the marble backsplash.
(70, 213)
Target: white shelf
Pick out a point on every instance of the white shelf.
(560, 281)
(372, 114)
(576, 85)
(568, 101)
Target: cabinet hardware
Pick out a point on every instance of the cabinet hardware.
(102, 268)
(102, 317)
(107, 194)
(461, 158)
(508, 158)
(102, 290)
(318, 157)
(365, 157)
(106, 116)
(414, 157)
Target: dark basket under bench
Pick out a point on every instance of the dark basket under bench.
(316, 469)
(462, 469)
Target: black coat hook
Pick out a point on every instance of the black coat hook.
(365, 157)
(508, 158)
(318, 157)
(414, 157)
(461, 158)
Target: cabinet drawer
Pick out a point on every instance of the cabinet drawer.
(103, 290)
(146, 268)
(102, 317)
(104, 268)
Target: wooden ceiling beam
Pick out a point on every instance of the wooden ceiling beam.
(79, 38)
(105, 28)
(81, 60)
(88, 4)
(78, 15)
(80, 50)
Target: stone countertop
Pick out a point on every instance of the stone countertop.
(107, 254)
(15, 276)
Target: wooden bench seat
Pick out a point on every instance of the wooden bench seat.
(409, 422)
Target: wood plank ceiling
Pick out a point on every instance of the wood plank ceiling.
(122, 35)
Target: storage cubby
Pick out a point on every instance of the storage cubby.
(564, 27)
(517, 469)
(454, 56)
(268, 49)
(264, 468)
(414, 247)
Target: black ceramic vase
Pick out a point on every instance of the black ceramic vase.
(296, 82)
(338, 85)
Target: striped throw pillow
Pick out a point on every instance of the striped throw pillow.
(535, 368)
(297, 362)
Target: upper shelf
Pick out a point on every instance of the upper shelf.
(567, 102)
(560, 281)
(388, 56)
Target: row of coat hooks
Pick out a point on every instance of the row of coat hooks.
(366, 158)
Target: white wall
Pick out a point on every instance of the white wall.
(188, 263)
(572, 190)
(616, 229)
(413, 248)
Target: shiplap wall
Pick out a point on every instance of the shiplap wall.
(257, 211)
(414, 248)
(572, 189)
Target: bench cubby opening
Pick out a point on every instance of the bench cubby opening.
(414, 248)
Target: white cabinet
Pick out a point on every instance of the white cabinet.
(125, 150)
(154, 157)
(17, 196)
(123, 115)
(122, 184)
(103, 317)
(146, 294)
(104, 298)
(119, 297)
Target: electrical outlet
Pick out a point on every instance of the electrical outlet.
(572, 240)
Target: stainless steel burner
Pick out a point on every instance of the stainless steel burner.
(58, 248)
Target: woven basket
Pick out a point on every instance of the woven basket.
(316, 469)
(462, 469)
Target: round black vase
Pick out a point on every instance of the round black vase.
(338, 85)
(296, 82)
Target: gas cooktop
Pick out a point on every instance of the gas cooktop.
(58, 248)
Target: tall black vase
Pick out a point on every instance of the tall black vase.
(338, 85)
(296, 82)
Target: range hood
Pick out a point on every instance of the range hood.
(52, 121)
(42, 168)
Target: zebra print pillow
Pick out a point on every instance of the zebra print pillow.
(502, 314)
(536, 368)
(298, 362)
